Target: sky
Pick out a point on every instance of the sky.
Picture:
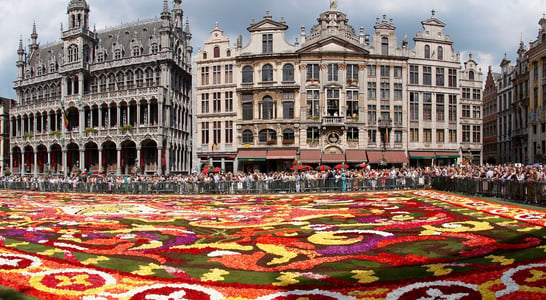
(488, 29)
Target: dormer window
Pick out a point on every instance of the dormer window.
(137, 51)
(118, 54)
(216, 52)
(440, 53)
(100, 57)
(154, 48)
(267, 43)
(385, 45)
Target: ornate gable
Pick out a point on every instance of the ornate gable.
(267, 24)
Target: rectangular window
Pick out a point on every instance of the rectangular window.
(216, 102)
(228, 102)
(332, 102)
(414, 74)
(452, 78)
(466, 93)
(288, 105)
(452, 108)
(414, 106)
(229, 132)
(398, 91)
(414, 135)
(204, 75)
(466, 134)
(385, 71)
(476, 112)
(453, 136)
(476, 94)
(427, 135)
(440, 136)
(440, 77)
(440, 107)
(397, 72)
(385, 91)
(205, 133)
(313, 72)
(248, 107)
(476, 134)
(267, 43)
(466, 111)
(352, 73)
(398, 136)
(229, 73)
(372, 114)
(333, 72)
(427, 75)
(427, 107)
(372, 136)
(372, 90)
(398, 115)
(372, 71)
(205, 103)
(216, 74)
(217, 132)
(352, 103)
(313, 103)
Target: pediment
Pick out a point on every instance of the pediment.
(333, 44)
(266, 25)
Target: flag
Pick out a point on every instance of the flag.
(65, 117)
(214, 146)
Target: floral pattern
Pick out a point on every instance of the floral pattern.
(382, 245)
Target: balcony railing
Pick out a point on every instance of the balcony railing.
(385, 123)
(333, 120)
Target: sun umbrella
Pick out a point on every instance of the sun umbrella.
(323, 168)
(205, 171)
(363, 165)
(217, 170)
(342, 166)
(297, 167)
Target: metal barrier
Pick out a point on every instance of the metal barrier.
(227, 187)
(533, 192)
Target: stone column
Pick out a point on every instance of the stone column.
(65, 163)
(159, 172)
(118, 172)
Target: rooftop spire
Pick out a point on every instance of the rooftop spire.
(34, 37)
(333, 5)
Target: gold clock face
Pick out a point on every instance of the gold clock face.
(333, 138)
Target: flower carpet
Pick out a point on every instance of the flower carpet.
(381, 245)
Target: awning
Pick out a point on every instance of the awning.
(281, 154)
(447, 155)
(394, 157)
(310, 156)
(422, 155)
(374, 156)
(391, 157)
(355, 156)
(251, 155)
(332, 158)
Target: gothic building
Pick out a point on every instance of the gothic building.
(336, 95)
(116, 101)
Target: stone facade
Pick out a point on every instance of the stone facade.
(336, 95)
(116, 101)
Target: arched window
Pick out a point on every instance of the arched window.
(427, 51)
(267, 108)
(267, 73)
(130, 80)
(72, 53)
(440, 53)
(248, 74)
(288, 72)
(248, 137)
(267, 136)
(385, 45)
(288, 136)
(205, 55)
(228, 53)
(216, 52)
(471, 75)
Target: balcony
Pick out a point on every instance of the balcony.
(333, 121)
(385, 123)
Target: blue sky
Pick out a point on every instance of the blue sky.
(486, 28)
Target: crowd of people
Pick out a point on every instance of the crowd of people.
(495, 180)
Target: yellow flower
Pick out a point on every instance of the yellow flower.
(287, 278)
(365, 276)
(214, 275)
(457, 227)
